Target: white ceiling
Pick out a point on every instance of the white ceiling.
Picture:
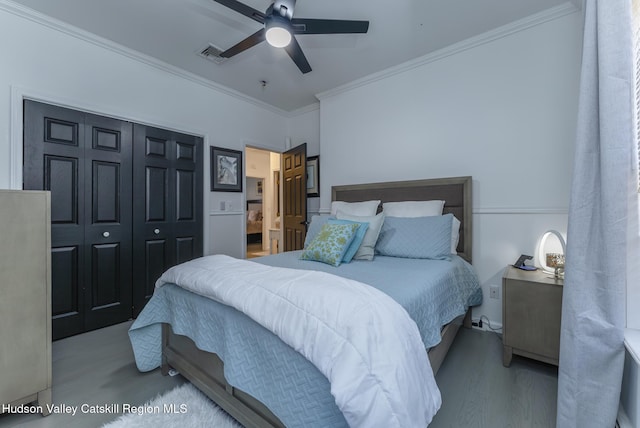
(175, 31)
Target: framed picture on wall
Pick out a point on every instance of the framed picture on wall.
(313, 176)
(226, 170)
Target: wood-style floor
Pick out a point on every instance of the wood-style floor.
(255, 250)
(477, 391)
(95, 368)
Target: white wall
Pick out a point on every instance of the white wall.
(503, 112)
(43, 60)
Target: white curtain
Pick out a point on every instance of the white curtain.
(593, 310)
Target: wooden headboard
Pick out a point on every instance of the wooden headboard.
(455, 191)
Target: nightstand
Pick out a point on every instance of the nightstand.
(531, 314)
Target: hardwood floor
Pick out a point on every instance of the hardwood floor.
(477, 391)
(255, 250)
(95, 368)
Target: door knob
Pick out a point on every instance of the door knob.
(156, 231)
(105, 234)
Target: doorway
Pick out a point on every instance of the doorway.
(262, 202)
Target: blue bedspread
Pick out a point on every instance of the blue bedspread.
(257, 362)
(433, 292)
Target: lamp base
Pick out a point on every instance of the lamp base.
(557, 273)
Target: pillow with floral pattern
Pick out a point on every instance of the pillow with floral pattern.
(330, 244)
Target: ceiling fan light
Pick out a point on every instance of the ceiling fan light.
(277, 35)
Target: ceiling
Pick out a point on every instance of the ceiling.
(175, 31)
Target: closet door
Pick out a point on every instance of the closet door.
(108, 225)
(167, 205)
(85, 161)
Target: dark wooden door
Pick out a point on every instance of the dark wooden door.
(167, 205)
(86, 163)
(294, 191)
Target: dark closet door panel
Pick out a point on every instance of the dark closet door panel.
(61, 178)
(185, 249)
(58, 131)
(186, 152)
(156, 147)
(167, 206)
(108, 229)
(105, 276)
(188, 177)
(156, 262)
(156, 194)
(65, 302)
(105, 197)
(106, 139)
(185, 195)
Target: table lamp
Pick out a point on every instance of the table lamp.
(552, 262)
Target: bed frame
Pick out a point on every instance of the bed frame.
(205, 370)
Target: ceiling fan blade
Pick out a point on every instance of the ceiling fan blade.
(295, 52)
(328, 26)
(247, 43)
(243, 9)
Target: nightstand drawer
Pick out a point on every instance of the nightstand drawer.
(531, 315)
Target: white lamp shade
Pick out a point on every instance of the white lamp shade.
(541, 253)
(277, 36)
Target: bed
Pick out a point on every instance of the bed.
(267, 369)
(254, 221)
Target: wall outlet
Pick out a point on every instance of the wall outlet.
(494, 292)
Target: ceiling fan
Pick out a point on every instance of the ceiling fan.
(280, 28)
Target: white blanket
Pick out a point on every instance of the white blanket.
(358, 337)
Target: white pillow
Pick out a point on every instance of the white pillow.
(367, 247)
(363, 209)
(455, 235)
(413, 208)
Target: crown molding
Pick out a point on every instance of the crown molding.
(303, 110)
(531, 21)
(39, 18)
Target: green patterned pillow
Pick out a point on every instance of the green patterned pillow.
(330, 243)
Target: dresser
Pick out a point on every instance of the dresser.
(25, 303)
(531, 314)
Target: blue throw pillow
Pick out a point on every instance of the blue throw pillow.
(330, 244)
(357, 239)
(416, 237)
(317, 221)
